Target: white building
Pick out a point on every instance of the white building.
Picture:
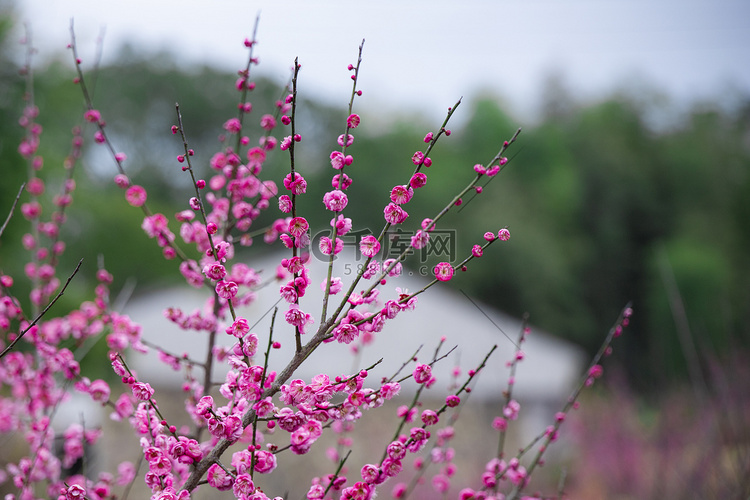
(543, 379)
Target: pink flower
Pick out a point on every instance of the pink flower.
(466, 494)
(369, 245)
(420, 239)
(154, 225)
(92, 116)
(268, 143)
(335, 286)
(422, 373)
(226, 289)
(204, 405)
(265, 461)
(294, 265)
(337, 160)
(35, 186)
(372, 268)
(215, 271)
(399, 490)
(359, 491)
(396, 450)
(337, 183)
(418, 437)
(125, 473)
(370, 474)
(233, 125)
(417, 158)
(500, 423)
(296, 186)
(224, 250)
(238, 328)
(343, 224)
(31, 210)
(326, 247)
(142, 391)
(243, 486)
(349, 140)
(352, 121)
(335, 201)
(503, 234)
(190, 273)
(443, 271)
(511, 409)
(136, 195)
(316, 491)
(418, 180)
(394, 214)
(390, 389)
(75, 492)
(285, 203)
(401, 194)
(298, 226)
(441, 483)
(218, 478)
(345, 333)
(476, 251)
(268, 122)
(99, 391)
(297, 317)
(122, 181)
(255, 157)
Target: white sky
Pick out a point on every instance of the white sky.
(424, 55)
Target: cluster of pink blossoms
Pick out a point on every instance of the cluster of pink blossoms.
(256, 401)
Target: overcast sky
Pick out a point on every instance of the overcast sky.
(424, 55)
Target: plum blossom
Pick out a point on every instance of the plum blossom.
(443, 271)
(218, 478)
(298, 226)
(142, 391)
(239, 328)
(136, 195)
(298, 185)
(422, 373)
(401, 194)
(335, 200)
(369, 245)
(394, 214)
(226, 289)
(285, 203)
(345, 333)
(352, 121)
(297, 317)
(265, 462)
(418, 180)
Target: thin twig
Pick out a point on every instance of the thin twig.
(39, 316)
(12, 208)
